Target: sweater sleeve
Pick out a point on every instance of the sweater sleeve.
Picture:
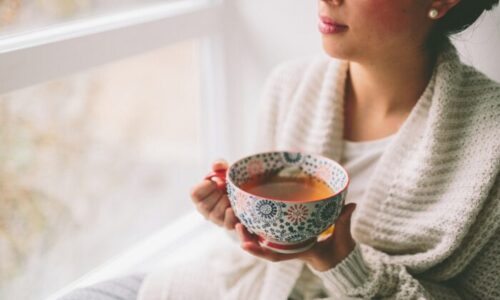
(354, 277)
(268, 113)
(279, 88)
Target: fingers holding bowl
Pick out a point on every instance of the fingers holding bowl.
(219, 165)
(202, 190)
(207, 205)
(230, 219)
(217, 214)
(250, 243)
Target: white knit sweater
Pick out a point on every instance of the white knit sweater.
(428, 226)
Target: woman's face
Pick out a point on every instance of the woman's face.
(360, 30)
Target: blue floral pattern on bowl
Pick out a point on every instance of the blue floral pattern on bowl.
(267, 210)
(287, 226)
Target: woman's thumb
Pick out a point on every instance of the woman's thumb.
(219, 165)
(345, 216)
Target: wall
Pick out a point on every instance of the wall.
(479, 45)
(264, 33)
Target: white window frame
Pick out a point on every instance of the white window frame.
(60, 50)
(67, 48)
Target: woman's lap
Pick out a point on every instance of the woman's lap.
(123, 288)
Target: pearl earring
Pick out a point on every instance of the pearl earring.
(433, 13)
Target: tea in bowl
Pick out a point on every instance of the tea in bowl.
(286, 198)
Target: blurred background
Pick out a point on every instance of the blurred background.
(111, 110)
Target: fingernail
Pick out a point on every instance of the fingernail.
(218, 180)
(220, 160)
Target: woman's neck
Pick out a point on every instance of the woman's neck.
(380, 95)
(390, 85)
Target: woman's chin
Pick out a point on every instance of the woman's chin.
(336, 50)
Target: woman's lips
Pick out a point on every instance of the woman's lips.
(329, 26)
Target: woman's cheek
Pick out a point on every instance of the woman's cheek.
(383, 18)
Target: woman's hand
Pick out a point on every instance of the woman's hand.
(322, 257)
(211, 200)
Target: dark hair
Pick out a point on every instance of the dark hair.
(458, 18)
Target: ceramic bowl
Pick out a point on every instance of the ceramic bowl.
(286, 226)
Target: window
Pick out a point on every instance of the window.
(99, 146)
(18, 16)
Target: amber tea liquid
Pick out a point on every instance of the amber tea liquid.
(301, 187)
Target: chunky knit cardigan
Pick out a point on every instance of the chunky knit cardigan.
(428, 226)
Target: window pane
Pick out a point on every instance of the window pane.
(93, 163)
(17, 16)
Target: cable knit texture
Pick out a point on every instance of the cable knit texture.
(431, 211)
(428, 226)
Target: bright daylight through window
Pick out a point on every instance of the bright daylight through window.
(17, 16)
(93, 162)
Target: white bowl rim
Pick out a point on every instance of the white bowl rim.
(228, 179)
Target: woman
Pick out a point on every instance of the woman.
(419, 134)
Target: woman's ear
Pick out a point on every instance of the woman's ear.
(439, 8)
